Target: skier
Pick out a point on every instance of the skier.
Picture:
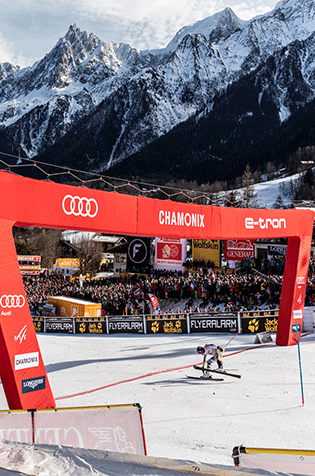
(215, 354)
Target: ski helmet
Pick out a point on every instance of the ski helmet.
(200, 350)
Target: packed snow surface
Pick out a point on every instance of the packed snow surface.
(184, 419)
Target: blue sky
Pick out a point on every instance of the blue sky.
(30, 28)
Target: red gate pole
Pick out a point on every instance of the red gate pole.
(22, 370)
(293, 289)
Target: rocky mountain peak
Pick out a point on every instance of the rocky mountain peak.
(227, 24)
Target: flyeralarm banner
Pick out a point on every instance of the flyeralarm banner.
(170, 254)
(29, 202)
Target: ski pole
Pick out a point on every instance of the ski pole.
(299, 353)
(231, 339)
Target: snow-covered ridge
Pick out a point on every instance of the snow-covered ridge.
(146, 94)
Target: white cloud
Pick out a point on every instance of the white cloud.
(30, 28)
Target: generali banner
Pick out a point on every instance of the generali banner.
(170, 254)
(238, 249)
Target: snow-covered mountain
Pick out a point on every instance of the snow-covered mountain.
(97, 104)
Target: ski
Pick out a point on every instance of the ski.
(217, 371)
(206, 378)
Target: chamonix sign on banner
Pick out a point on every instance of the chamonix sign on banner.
(29, 202)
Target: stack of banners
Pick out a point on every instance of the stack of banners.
(170, 254)
(29, 264)
(207, 251)
(70, 307)
(238, 249)
(115, 428)
(138, 252)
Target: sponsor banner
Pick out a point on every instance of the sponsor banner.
(26, 361)
(55, 325)
(125, 325)
(67, 262)
(38, 323)
(207, 251)
(138, 253)
(16, 426)
(29, 258)
(170, 254)
(238, 249)
(89, 327)
(167, 324)
(253, 322)
(277, 250)
(117, 428)
(33, 384)
(213, 322)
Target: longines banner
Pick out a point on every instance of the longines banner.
(206, 250)
(213, 322)
(126, 325)
(167, 324)
(253, 322)
(277, 250)
(238, 249)
(170, 254)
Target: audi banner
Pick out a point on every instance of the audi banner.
(213, 322)
(126, 325)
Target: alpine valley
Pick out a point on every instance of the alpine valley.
(222, 94)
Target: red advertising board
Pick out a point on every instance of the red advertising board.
(170, 253)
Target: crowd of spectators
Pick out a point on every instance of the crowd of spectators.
(255, 285)
(191, 291)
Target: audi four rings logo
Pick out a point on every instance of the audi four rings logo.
(9, 300)
(80, 206)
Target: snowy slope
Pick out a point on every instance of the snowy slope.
(183, 419)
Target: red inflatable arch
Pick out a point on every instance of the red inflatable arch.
(29, 202)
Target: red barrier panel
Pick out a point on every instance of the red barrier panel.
(28, 202)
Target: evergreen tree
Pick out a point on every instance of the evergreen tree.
(249, 198)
